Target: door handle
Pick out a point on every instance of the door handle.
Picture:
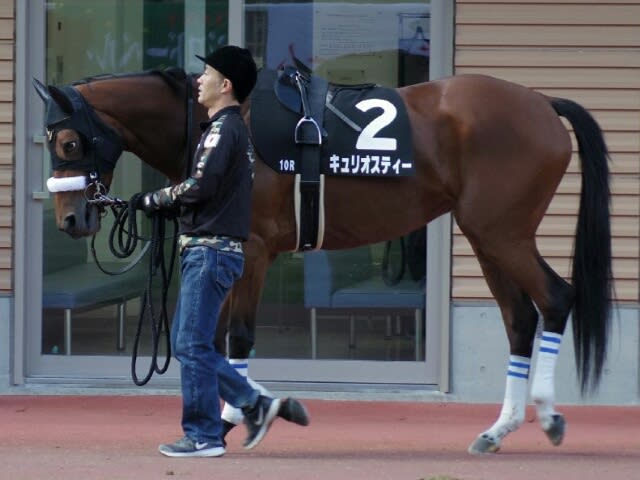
(46, 165)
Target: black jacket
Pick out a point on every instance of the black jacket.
(216, 198)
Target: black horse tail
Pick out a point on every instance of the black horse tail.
(592, 252)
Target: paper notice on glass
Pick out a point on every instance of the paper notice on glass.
(345, 29)
(316, 32)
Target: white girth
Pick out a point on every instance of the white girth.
(296, 208)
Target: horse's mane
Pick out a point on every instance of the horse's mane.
(174, 77)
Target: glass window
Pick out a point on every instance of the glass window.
(327, 305)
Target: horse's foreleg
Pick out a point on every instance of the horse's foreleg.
(520, 320)
(242, 307)
(236, 343)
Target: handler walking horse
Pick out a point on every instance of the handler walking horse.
(489, 151)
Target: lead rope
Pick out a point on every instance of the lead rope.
(123, 241)
(157, 264)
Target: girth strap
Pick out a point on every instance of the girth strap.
(308, 135)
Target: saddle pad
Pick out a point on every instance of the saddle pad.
(382, 147)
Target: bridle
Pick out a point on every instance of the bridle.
(102, 146)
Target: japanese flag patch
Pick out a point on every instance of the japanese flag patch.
(211, 140)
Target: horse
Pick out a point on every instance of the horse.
(489, 151)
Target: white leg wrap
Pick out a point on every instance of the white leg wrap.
(230, 413)
(542, 388)
(515, 400)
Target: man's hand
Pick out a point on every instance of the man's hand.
(147, 204)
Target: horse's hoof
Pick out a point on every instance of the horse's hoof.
(293, 411)
(556, 430)
(483, 445)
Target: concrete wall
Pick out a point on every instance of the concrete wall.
(480, 353)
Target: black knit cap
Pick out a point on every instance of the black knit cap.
(237, 65)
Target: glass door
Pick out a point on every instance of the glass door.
(79, 329)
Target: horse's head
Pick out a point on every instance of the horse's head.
(84, 151)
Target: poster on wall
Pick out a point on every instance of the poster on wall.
(414, 38)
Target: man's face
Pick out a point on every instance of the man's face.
(211, 86)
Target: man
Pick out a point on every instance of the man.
(215, 208)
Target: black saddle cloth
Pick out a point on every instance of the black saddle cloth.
(273, 126)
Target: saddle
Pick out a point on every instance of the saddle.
(303, 93)
(303, 125)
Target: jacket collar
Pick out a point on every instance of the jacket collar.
(218, 114)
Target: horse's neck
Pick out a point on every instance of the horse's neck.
(150, 118)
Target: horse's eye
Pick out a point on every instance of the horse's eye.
(69, 147)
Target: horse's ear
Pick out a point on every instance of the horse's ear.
(61, 99)
(41, 89)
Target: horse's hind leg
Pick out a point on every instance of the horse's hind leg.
(554, 298)
(517, 275)
(555, 313)
(520, 320)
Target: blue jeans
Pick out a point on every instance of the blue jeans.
(207, 276)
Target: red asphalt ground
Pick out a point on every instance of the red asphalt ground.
(100, 437)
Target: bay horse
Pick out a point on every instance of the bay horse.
(489, 151)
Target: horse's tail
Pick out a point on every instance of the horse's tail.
(592, 251)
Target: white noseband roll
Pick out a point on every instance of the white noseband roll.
(66, 184)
